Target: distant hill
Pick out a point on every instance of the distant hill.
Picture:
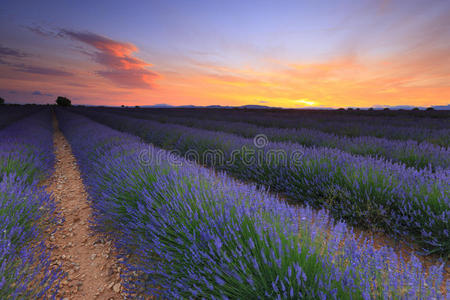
(161, 105)
(218, 106)
(409, 107)
(252, 106)
(442, 107)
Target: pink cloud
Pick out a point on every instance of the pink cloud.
(122, 68)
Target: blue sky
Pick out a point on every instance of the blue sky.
(331, 53)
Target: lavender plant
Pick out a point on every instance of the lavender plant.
(9, 114)
(415, 154)
(396, 126)
(26, 157)
(26, 147)
(364, 191)
(187, 232)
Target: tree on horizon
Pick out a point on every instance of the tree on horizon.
(63, 101)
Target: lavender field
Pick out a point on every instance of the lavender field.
(225, 150)
(225, 206)
(26, 209)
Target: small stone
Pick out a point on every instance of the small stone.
(116, 288)
(99, 241)
(93, 256)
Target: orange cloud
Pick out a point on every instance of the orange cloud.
(122, 67)
(414, 72)
(347, 80)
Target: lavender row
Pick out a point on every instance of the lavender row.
(347, 126)
(440, 137)
(431, 120)
(26, 210)
(364, 191)
(10, 114)
(187, 232)
(411, 153)
(332, 122)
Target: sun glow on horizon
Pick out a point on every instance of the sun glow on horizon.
(285, 55)
(306, 102)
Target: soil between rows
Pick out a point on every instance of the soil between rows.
(87, 259)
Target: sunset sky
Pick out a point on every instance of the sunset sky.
(295, 54)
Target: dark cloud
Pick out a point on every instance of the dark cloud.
(41, 70)
(8, 53)
(122, 67)
(39, 30)
(38, 93)
(77, 84)
(5, 51)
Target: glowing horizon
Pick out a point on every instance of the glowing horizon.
(293, 55)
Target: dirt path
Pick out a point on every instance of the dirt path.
(87, 259)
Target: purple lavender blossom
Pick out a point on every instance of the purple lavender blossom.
(166, 220)
(26, 157)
